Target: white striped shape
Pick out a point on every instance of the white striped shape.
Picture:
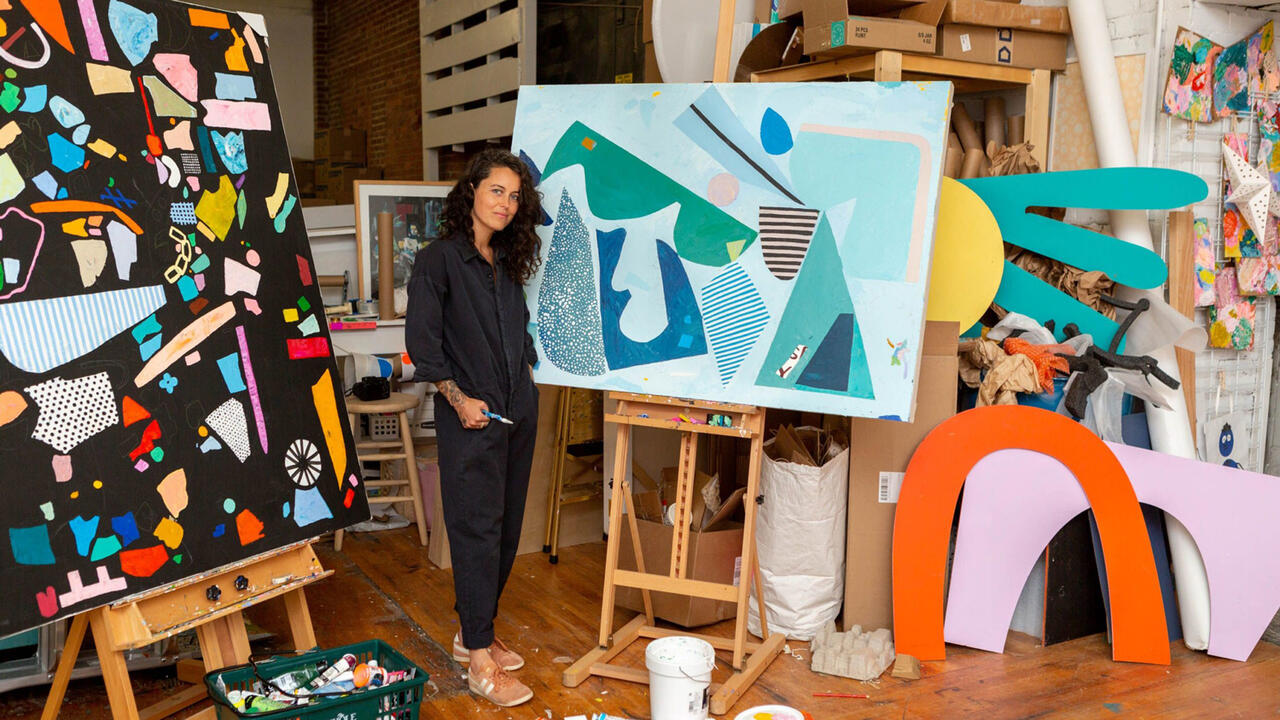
(734, 316)
(39, 335)
(784, 238)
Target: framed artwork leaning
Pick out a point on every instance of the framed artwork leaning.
(416, 208)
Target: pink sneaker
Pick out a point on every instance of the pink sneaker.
(504, 656)
(499, 688)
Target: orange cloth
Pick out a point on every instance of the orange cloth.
(1047, 362)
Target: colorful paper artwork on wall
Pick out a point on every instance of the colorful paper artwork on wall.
(1264, 75)
(1231, 79)
(739, 243)
(1237, 236)
(156, 279)
(1231, 317)
(1205, 263)
(1188, 93)
(1225, 440)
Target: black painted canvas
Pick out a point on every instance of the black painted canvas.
(168, 397)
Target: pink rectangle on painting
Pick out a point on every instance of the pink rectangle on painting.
(308, 348)
(1204, 263)
(241, 115)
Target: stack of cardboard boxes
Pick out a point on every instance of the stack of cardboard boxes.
(341, 159)
(994, 32)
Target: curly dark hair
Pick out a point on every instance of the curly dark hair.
(519, 242)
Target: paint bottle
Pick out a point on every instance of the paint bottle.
(295, 680)
(252, 703)
(340, 666)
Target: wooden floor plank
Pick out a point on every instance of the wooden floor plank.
(385, 587)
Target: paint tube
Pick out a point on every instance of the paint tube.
(251, 703)
(343, 683)
(371, 675)
(342, 665)
(294, 680)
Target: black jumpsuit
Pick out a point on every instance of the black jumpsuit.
(467, 321)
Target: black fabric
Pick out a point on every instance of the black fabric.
(484, 479)
(467, 322)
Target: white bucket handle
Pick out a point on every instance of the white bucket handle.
(694, 679)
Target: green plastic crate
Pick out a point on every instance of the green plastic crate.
(397, 701)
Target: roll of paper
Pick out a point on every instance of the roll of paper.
(953, 163)
(974, 162)
(965, 128)
(994, 107)
(386, 268)
(1017, 130)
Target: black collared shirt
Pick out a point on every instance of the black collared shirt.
(467, 321)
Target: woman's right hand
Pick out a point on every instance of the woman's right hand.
(471, 413)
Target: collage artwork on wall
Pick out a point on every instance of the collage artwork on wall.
(765, 244)
(168, 397)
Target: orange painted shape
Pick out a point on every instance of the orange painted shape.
(132, 411)
(208, 18)
(926, 506)
(249, 527)
(48, 15)
(143, 562)
(85, 206)
(11, 406)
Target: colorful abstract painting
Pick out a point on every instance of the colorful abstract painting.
(1231, 317)
(1188, 94)
(1238, 239)
(738, 243)
(1264, 76)
(1231, 80)
(167, 392)
(1258, 276)
(1204, 263)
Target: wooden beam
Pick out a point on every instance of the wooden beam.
(439, 14)
(888, 66)
(491, 121)
(581, 670)
(478, 83)
(66, 663)
(174, 702)
(1038, 91)
(732, 690)
(683, 586)
(619, 672)
(474, 42)
(724, 42)
(1182, 284)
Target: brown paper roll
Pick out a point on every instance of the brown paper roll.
(973, 163)
(386, 268)
(953, 162)
(994, 107)
(953, 141)
(1017, 130)
(964, 128)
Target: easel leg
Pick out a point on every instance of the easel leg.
(615, 529)
(635, 546)
(551, 488)
(562, 452)
(66, 663)
(223, 642)
(304, 634)
(115, 673)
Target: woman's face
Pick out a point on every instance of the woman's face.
(497, 199)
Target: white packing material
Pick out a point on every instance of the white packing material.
(800, 541)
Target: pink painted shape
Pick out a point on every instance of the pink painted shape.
(1015, 500)
(192, 358)
(193, 182)
(62, 468)
(251, 383)
(240, 278)
(47, 602)
(252, 306)
(180, 73)
(237, 114)
(31, 264)
(92, 32)
(141, 465)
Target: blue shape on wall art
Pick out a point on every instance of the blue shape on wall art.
(775, 134)
(568, 316)
(683, 335)
(735, 317)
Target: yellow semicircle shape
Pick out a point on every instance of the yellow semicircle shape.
(968, 257)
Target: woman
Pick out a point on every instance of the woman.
(467, 333)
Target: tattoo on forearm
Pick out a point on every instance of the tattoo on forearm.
(451, 392)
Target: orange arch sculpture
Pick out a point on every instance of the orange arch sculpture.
(927, 502)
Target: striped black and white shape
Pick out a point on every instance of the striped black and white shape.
(734, 315)
(784, 238)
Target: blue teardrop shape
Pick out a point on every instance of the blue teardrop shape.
(775, 134)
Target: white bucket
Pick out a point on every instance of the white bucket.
(679, 677)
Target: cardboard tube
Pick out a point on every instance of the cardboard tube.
(953, 162)
(964, 128)
(386, 268)
(953, 141)
(994, 107)
(1017, 130)
(972, 167)
(1170, 428)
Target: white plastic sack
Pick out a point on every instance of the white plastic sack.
(800, 531)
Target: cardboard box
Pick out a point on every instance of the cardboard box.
(651, 72)
(856, 35)
(1003, 46)
(646, 19)
(994, 13)
(883, 447)
(342, 146)
(713, 556)
(788, 8)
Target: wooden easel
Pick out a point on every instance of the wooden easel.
(749, 658)
(561, 492)
(154, 615)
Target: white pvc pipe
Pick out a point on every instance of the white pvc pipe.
(1171, 428)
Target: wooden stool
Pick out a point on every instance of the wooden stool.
(402, 449)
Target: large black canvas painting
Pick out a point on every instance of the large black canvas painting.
(168, 397)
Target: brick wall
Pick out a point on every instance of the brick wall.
(366, 60)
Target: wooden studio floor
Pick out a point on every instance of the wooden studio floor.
(385, 587)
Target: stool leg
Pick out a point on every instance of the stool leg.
(411, 469)
(351, 420)
(337, 540)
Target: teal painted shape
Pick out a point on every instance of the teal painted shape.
(819, 297)
(879, 231)
(30, 545)
(829, 368)
(621, 186)
(105, 547)
(1105, 189)
(84, 530)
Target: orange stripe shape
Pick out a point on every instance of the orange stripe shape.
(926, 506)
(48, 15)
(209, 19)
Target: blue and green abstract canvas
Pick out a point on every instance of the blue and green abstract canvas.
(765, 244)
